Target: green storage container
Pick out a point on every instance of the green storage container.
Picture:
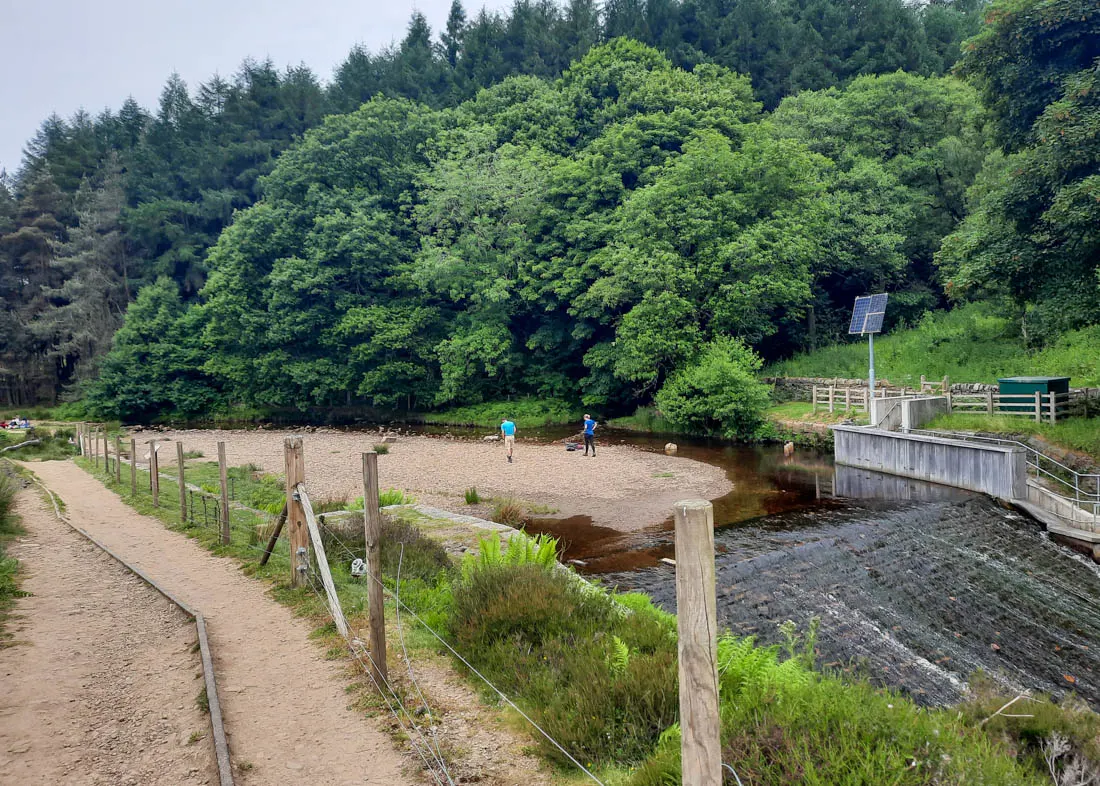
(1028, 386)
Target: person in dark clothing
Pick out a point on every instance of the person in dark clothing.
(589, 435)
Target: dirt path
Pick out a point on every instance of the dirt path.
(99, 686)
(624, 487)
(285, 709)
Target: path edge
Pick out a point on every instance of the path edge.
(217, 725)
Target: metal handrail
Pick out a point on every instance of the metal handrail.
(1081, 495)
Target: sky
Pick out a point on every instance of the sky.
(63, 55)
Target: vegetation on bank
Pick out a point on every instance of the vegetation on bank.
(1079, 434)
(524, 412)
(598, 671)
(53, 444)
(978, 342)
(9, 526)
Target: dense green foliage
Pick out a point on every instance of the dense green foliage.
(105, 205)
(1033, 232)
(580, 239)
(975, 343)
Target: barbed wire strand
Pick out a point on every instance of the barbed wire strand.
(386, 698)
(408, 662)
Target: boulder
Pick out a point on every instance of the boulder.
(670, 448)
(491, 438)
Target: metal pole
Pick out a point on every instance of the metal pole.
(871, 346)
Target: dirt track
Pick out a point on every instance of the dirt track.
(100, 684)
(285, 707)
(623, 487)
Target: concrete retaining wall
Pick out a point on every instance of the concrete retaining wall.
(997, 470)
(906, 412)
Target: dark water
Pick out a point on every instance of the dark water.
(917, 586)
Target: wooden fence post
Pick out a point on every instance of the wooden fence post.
(372, 531)
(118, 459)
(154, 474)
(697, 623)
(133, 467)
(989, 402)
(106, 453)
(1053, 407)
(295, 516)
(222, 472)
(1038, 407)
(95, 446)
(813, 398)
(182, 483)
(832, 397)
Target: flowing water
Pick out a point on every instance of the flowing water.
(916, 586)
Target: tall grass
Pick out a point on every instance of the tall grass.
(9, 525)
(973, 343)
(1081, 434)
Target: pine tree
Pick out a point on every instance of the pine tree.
(453, 35)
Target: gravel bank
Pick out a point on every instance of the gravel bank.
(623, 487)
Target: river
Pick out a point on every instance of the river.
(917, 586)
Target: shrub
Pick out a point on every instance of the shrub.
(472, 497)
(520, 549)
(508, 511)
(559, 646)
(386, 498)
(382, 449)
(718, 393)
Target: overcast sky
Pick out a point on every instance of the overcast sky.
(61, 55)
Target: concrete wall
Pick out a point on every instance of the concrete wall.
(906, 412)
(997, 470)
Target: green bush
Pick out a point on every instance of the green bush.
(718, 393)
(382, 449)
(542, 637)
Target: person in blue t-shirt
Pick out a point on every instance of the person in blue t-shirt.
(589, 435)
(508, 431)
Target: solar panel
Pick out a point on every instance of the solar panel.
(868, 313)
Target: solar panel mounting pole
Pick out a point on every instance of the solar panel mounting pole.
(871, 378)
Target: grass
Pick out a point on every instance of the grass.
(472, 497)
(1080, 434)
(802, 411)
(508, 511)
(382, 449)
(973, 343)
(54, 445)
(192, 454)
(526, 413)
(248, 486)
(9, 527)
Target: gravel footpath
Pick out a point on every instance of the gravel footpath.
(622, 487)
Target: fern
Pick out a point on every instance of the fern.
(521, 550)
(619, 657)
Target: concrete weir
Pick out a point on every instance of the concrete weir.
(997, 470)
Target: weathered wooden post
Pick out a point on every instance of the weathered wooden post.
(296, 519)
(223, 473)
(832, 397)
(697, 623)
(133, 467)
(813, 399)
(989, 402)
(95, 446)
(154, 474)
(1038, 407)
(182, 483)
(118, 459)
(106, 453)
(1053, 407)
(847, 399)
(372, 531)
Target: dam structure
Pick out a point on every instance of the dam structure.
(1066, 502)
